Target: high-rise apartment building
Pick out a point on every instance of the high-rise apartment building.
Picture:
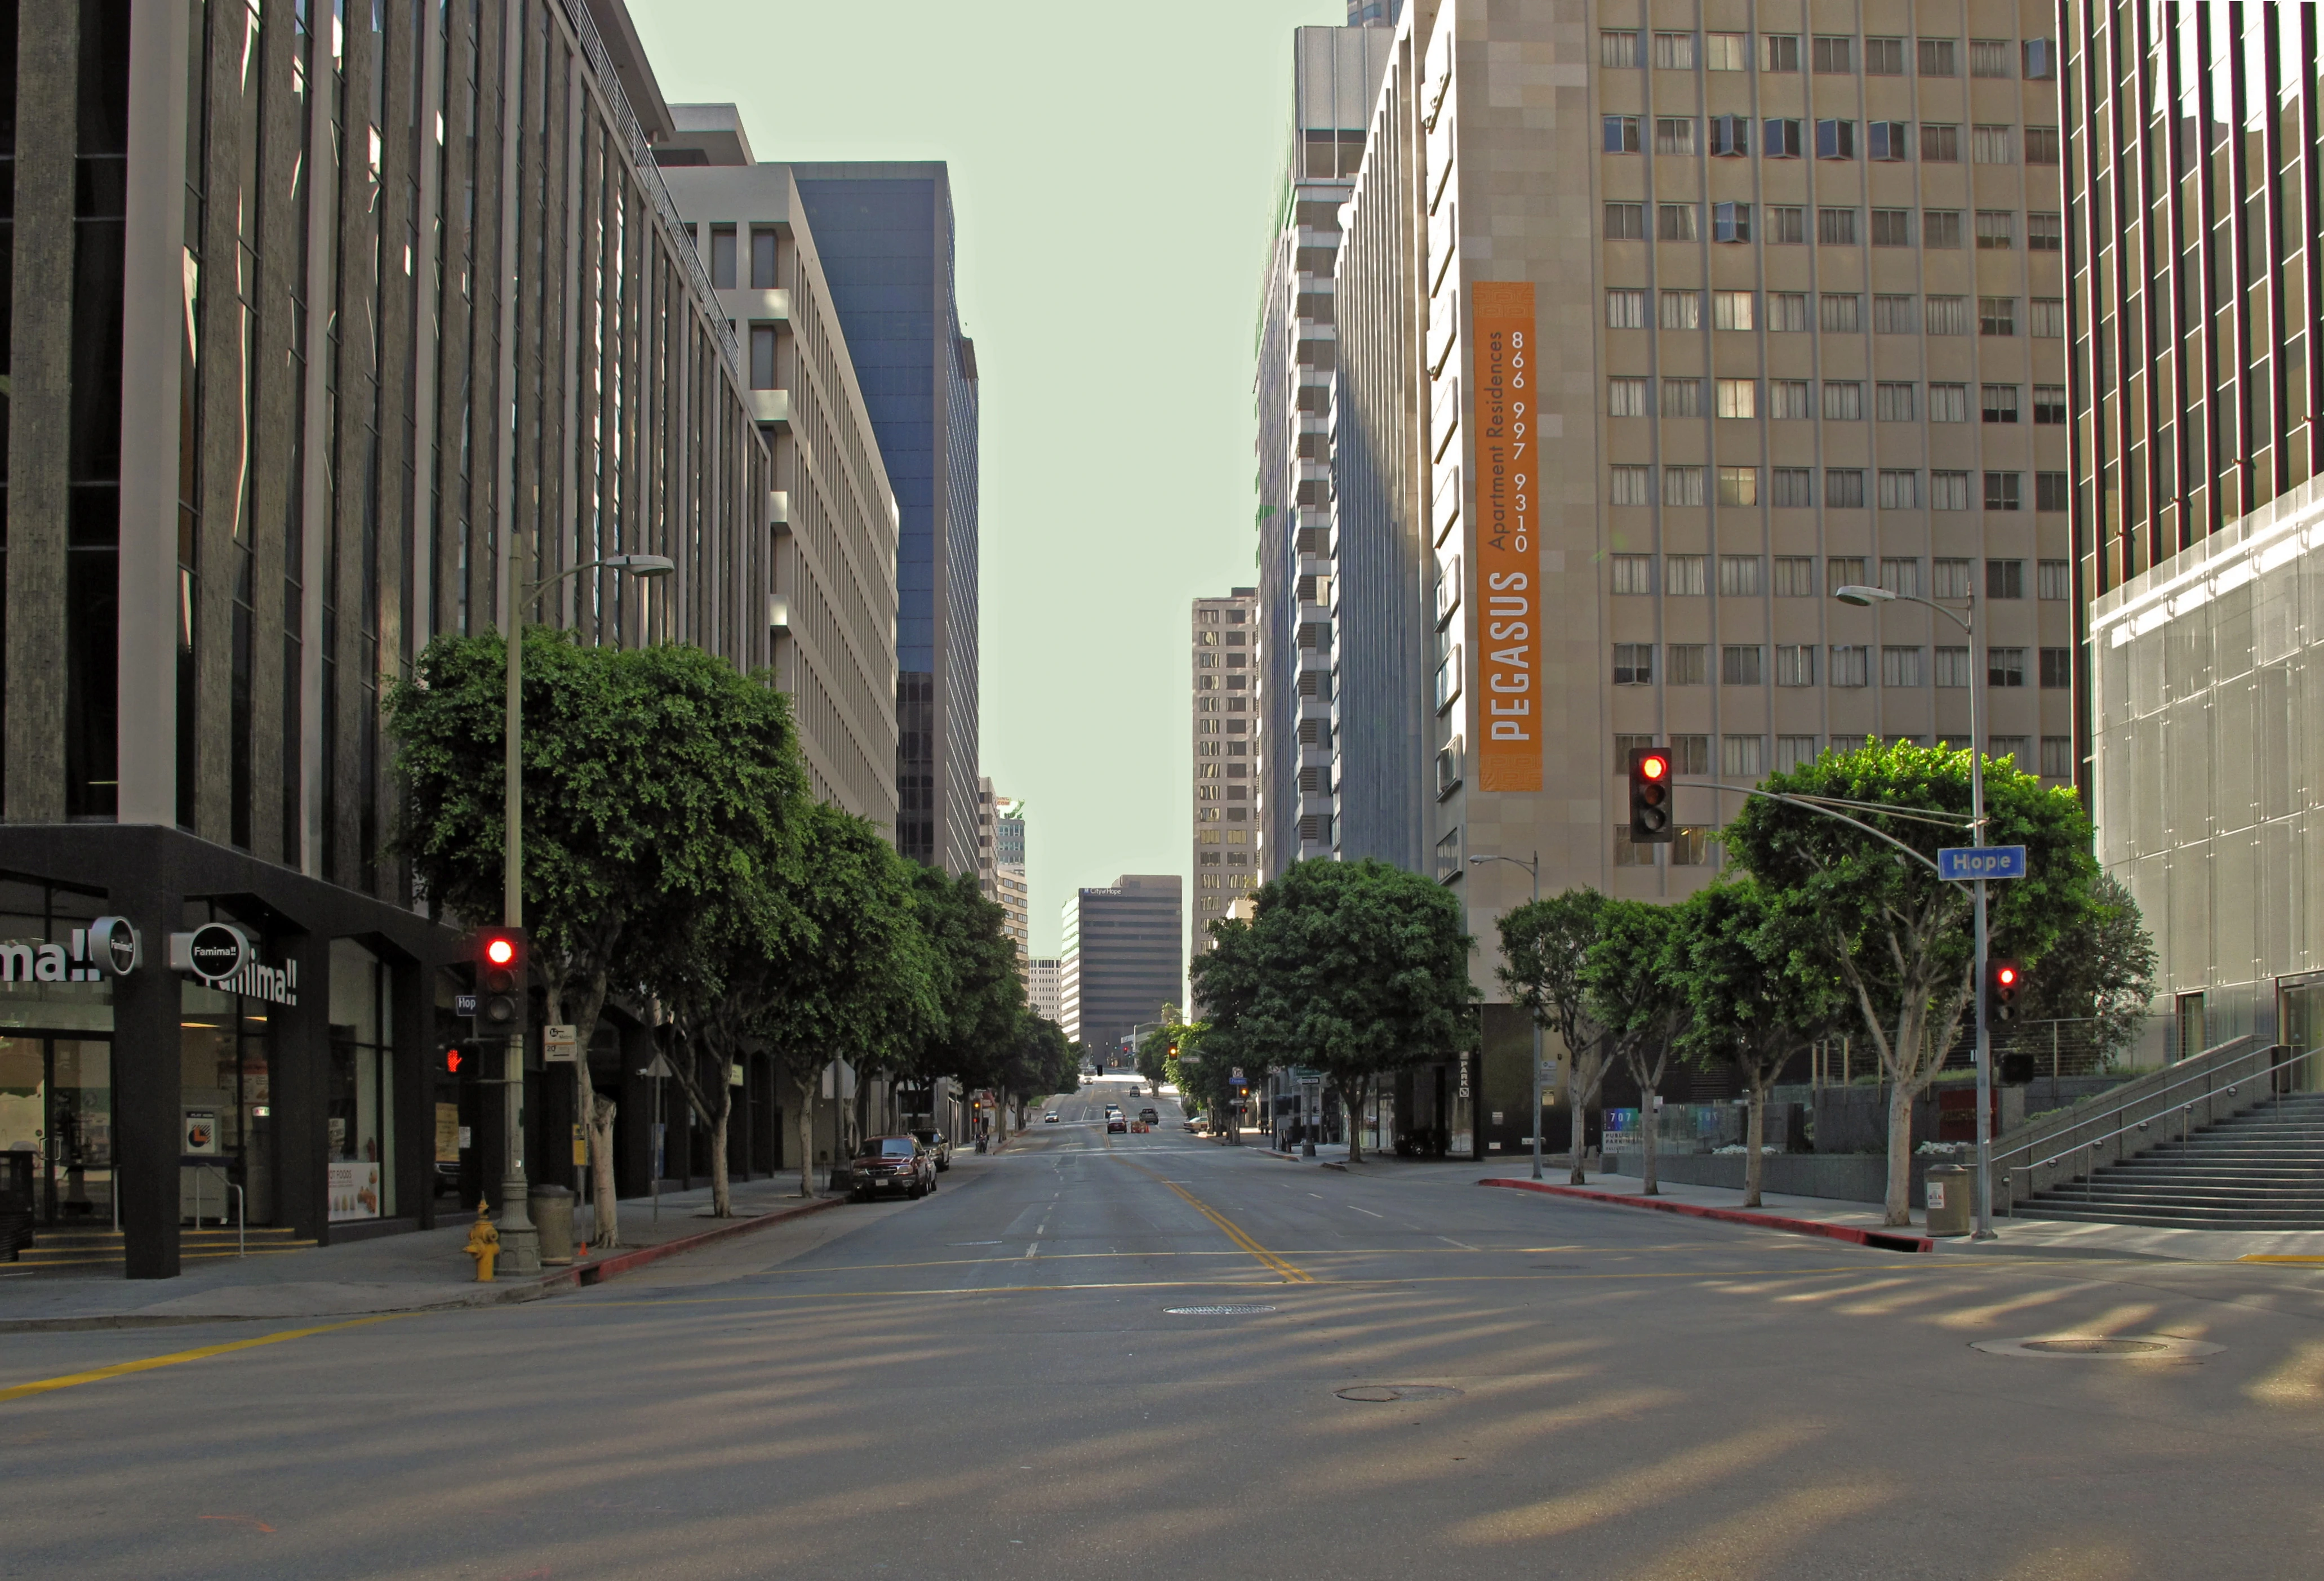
(1231, 755)
(988, 819)
(831, 519)
(1010, 886)
(330, 326)
(2195, 393)
(1123, 959)
(1041, 988)
(885, 234)
(1009, 835)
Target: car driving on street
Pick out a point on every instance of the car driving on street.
(892, 1165)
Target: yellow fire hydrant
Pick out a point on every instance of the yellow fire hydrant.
(484, 1244)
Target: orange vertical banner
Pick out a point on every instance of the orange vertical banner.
(1507, 599)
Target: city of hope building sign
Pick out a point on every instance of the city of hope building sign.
(1507, 597)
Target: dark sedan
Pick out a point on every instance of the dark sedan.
(898, 1165)
(939, 1146)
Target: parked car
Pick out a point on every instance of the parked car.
(939, 1146)
(892, 1164)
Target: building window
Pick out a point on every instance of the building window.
(1843, 488)
(1948, 404)
(1740, 575)
(1997, 316)
(2049, 403)
(1900, 666)
(1731, 136)
(1996, 230)
(1621, 134)
(1690, 664)
(1843, 571)
(1794, 664)
(1842, 312)
(1992, 145)
(1940, 57)
(722, 257)
(1690, 754)
(1731, 310)
(1835, 139)
(1626, 221)
(1948, 490)
(1448, 846)
(1694, 845)
(1940, 231)
(1630, 486)
(1883, 57)
(1787, 312)
(1448, 769)
(1448, 679)
(1795, 752)
(1787, 400)
(1896, 403)
(1887, 142)
(1738, 485)
(1901, 574)
(2000, 403)
(1634, 664)
(762, 259)
(2007, 749)
(1634, 574)
(2053, 579)
(1625, 398)
(1940, 143)
(762, 356)
(1682, 398)
(1791, 487)
(1836, 227)
(2057, 757)
(2046, 321)
(1742, 757)
(1625, 745)
(1786, 225)
(1779, 54)
(1779, 139)
(1952, 577)
(1727, 52)
(1674, 134)
(1741, 666)
(1892, 227)
(1626, 309)
(1953, 669)
(1795, 576)
(2057, 669)
(2040, 60)
(1674, 51)
(1835, 56)
(1843, 400)
(1682, 485)
(2005, 579)
(1618, 50)
(2005, 667)
(1851, 664)
(2041, 146)
(2002, 491)
(1684, 575)
(1629, 853)
(1675, 222)
(1900, 489)
(1738, 398)
(1731, 222)
(2045, 233)
(1681, 310)
(1991, 57)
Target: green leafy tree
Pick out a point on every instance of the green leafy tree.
(2102, 970)
(1897, 938)
(1543, 943)
(1756, 995)
(1228, 978)
(981, 992)
(644, 771)
(1357, 967)
(1633, 989)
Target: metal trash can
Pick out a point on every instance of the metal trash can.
(552, 1208)
(1948, 1188)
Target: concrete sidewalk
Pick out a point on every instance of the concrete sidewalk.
(420, 1271)
(2015, 1236)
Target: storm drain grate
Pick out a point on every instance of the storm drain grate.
(2102, 1347)
(1214, 1311)
(1389, 1393)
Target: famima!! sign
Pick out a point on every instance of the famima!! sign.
(107, 948)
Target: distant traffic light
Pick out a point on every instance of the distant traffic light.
(2004, 981)
(1650, 796)
(500, 959)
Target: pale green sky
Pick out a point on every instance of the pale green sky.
(1113, 170)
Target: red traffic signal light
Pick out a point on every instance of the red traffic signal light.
(500, 950)
(499, 957)
(2004, 981)
(1650, 796)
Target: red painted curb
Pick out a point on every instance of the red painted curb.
(600, 1270)
(1887, 1240)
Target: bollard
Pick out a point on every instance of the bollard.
(484, 1243)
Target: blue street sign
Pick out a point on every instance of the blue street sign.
(1967, 862)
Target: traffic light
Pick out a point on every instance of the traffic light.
(1650, 796)
(2003, 981)
(499, 958)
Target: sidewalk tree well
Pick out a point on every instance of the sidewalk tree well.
(1543, 943)
(1756, 995)
(1897, 939)
(1630, 981)
(641, 769)
(1350, 968)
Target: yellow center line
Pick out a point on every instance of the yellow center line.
(1290, 1274)
(123, 1369)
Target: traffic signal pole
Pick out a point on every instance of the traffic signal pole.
(520, 1240)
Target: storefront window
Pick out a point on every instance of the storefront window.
(362, 1107)
(224, 1105)
(56, 1065)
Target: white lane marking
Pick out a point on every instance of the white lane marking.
(1317, 1195)
(1462, 1244)
(1367, 1212)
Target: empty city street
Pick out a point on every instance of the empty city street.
(1149, 1353)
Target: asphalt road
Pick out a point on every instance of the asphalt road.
(1151, 1355)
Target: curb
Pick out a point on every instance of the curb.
(1885, 1240)
(621, 1263)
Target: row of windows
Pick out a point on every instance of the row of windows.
(1787, 137)
(1210, 638)
(1790, 399)
(1848, 665)
(1748, 754)
(1830, 54)
(1786, 225)
(1836, 313)
(1794, 488)
(1746, 576)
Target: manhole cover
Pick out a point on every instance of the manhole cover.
(1389, 1393)
(1214, 1311)
(2102, 1347)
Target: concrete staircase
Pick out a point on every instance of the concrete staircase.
(93, 1251)
(2261, 1170)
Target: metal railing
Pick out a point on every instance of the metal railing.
(241, 1217)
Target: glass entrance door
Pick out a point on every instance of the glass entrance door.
(56, 1104)
(2302, 1023)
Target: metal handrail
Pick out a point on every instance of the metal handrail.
(241, 1205)
(2118, 1108)
(2089, 1145)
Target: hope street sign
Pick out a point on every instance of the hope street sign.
(1967, 862)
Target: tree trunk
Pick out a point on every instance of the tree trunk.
(805, 1110)
(1581, 1146)
(1753, 1135)
(1899, 1204)
(721, 1184)
(1647, 1126)
(604, 1195)
(1351, 1110)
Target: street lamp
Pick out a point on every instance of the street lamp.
(520, 1241)
(1534, 867)
(1865, 597)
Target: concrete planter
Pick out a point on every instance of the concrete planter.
(1845, 1177)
